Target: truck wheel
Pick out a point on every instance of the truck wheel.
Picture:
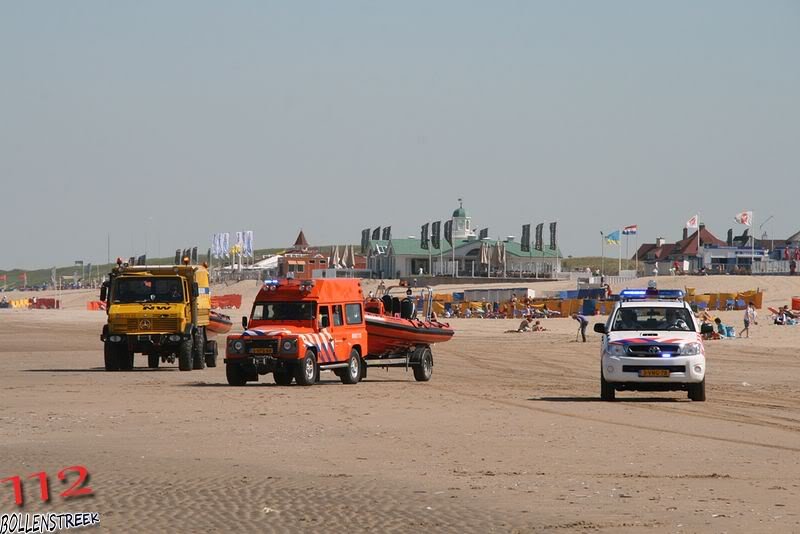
(283, 376)
(235, 374)
(185, 355)
(306, 371)
(424, 368)
(607, 391)
(125, 358)
(211, 353)
(153, 360)
(352, 374)
(110, 356)
(198, 357)
(697, 392)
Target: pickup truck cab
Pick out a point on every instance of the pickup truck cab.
(652, 342)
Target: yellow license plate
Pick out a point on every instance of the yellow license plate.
(261, 350)
(654, 372)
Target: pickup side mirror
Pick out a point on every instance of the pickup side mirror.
(195, 290)
(325, 322)
(244, 322)
(600, 328)
(103, 292)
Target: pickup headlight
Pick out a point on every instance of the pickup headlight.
(690, 349)
(615, 350)
(289, 345)
(236, 346)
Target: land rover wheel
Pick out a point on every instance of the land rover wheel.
(607, 391)
(110, 356)
(153, 360)
(352, 374)
(211, 353)
(283, 376)
(697, 392)
(185, 355)
(198, 344)
(235, 374)
(424, 367)
(306, 371)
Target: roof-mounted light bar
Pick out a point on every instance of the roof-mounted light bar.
(660, 294)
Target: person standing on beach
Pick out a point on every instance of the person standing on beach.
(750, 316)
(584, 322)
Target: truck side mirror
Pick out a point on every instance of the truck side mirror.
(325, 322)
(600, 328)
(103, 292)
(195, 290)
(244, 322)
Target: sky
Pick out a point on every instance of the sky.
(160, 123)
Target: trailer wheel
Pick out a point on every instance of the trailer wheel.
(110, 356)
(211, 353)
(352, 374)
(283, 376)
(306, 372)
(185, 355)
(153, 360)
(424, 368)
(235, 374)
(198, 344)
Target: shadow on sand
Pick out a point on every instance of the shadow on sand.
(598, 399)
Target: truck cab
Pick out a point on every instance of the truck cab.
(297, 329)
(159, 311)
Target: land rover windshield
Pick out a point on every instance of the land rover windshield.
(652, 318)
(284, 311)
(147, 289)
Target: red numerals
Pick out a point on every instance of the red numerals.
(77, 489)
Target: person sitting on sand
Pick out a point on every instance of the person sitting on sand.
(537, 327)
(722, 330)
(524, 326)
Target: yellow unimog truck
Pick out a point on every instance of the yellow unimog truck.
(158, 310)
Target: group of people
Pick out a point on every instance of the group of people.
(528, 325)
(713, 327)
(786, 316)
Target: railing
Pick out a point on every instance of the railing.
(772, 267)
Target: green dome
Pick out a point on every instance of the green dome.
(460, 212)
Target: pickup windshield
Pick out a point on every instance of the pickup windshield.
(653, 318)
(284, 311)
(147, 289)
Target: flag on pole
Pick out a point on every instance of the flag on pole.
(525, 243)
(692, 223)
(423, 237)
(335, 257)
(745, 218)
(376, 234)
(177, 256)
(484, 234)
(248, 244)
(436, 234)
(448, 232)
(387, 233)
(539, 245)
(364, 240)
(226, 244)
(613, 238)
(630, 230)
(553, 235)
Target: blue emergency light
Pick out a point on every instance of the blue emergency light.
(632, 294)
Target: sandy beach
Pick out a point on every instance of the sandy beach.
(509, 436)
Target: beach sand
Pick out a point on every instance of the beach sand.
(509, 436)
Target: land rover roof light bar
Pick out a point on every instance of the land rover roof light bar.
(644, 294)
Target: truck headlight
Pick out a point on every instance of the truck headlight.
(289, 345)
(689, 349)
(235, 346)
(115, 339)
(174, 338)
(615, 350)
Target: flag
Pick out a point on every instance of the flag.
(745, 218)
(194, 255)
(226, 245)
(525, 243)
(538, 245)
(499, 254)
(335, 258)
(423, 237)
(248, 244)
(53, 276)
(208, 257)
(436, 234)
(141, 260)
(177, 256)
(376, 234)
(387, 233)
(485, 253)
(630, 230)
(484, 234)
(553, 235)
(613, 238)
(692, 223)
(364, 240)
(448, 232)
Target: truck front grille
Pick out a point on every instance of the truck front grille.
(652, 350)
(148, 324)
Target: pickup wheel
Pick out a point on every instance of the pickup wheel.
(185, 355)
(352, 374)
(235, 374)
(211, 353)
(110, 356)
(607, 391)
(153, 360)
(283, 376)
(697, 392)
(198, 344)
(424, 368)
(306, 372)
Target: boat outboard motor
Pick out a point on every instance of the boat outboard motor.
(396, 306)
(387, 304)
(407, 308)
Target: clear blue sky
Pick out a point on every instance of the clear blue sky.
(184, 118)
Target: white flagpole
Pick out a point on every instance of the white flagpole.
(753, 244)
(619, 267)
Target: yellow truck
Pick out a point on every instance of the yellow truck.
(161, 311)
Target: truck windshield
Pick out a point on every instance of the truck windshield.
(284, 311)
(147, 289)
(653, 318)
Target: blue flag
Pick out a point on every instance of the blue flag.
(613, 238)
